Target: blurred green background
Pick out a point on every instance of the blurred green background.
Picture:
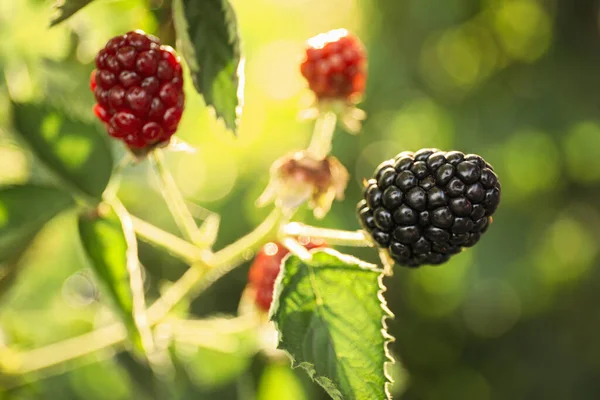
(515, 81)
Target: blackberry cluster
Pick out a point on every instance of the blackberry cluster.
(138, 87)
(426, 206)
(335, 66)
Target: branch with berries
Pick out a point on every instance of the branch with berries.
(419, 208)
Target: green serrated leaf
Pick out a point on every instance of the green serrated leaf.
(330, 314)
(66, 8)
(75, 150)
(24, 210)
(209, 40)
(107, 246)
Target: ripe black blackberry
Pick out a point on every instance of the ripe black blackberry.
(424, 207)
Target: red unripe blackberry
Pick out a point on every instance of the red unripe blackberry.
(138, 85)
(424, 207)
(335, 66)
(265, 268)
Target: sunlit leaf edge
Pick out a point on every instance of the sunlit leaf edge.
(66, 9)
(230, 117)
(324, 381)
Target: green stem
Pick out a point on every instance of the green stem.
(332, 236)
(175, 201)
(243, 249)
(136, 282)
(175, 293)
(185, 251)
(115, 180)
(320, 144)
(196, 279)
(47, 356)
(296, 248)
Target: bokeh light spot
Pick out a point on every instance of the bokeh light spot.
(582, 150)
(491, 308)
(278, 379)
(73, 150)
(14, 166)
(459, 57)
(524, 29)
(435, 292)
(79, 291)
(531, 163)
(275, 69)
(51, 126)
(566, 252)
(449, 279)
(209, 174)
(422, 123)
(270, 249)
(456, 60)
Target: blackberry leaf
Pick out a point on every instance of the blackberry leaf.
(74, 150)
(110, 246)
(208, 36)
(330, 314)
(24, 210)
(67, 8)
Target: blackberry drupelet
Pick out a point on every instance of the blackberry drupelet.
(424, 207)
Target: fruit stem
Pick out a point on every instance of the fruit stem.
(320, 144)
(47, 356)
(173, 197)
(178, 247)
(296, 248)
(136, 282)
(387, 262)
(115, 180)
(211, 267)
(332, 236)
(244, 248)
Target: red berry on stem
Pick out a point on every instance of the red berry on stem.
(335, 66)
(138, 87)
(265, 268)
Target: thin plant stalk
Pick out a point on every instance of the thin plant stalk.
(320, 144)
(173, 197)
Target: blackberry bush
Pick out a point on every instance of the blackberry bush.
(325, 309)
(424, 207)
(138, 85)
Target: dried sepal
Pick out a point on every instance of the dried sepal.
(298, 177)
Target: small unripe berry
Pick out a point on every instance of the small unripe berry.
(265, 268)
(138, 88)
(335, 66)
